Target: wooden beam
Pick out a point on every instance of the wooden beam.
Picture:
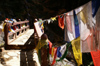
(19, 47)
(16, 23)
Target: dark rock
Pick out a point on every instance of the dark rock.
(32, 9)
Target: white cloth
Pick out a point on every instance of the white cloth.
(63, 49)
(69, 30)
(49, 21)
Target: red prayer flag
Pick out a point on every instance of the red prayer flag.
(96, 57)
(55, 55)
(61, 21)
(50, 47)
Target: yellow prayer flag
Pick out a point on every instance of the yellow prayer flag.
(52, 52)
(83, 17)
(77, 51)
(41, 43)
(53, 18)
(86, 14)
(42, 25)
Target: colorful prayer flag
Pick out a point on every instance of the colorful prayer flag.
(61, 21)
(77, 51)
(77, 32)
(95, 6)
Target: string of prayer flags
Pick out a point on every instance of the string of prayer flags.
(86, 30)
(80, 30)
(95, 6)
(77, 51)
(61, 21)
(59, 52)
(77, 32)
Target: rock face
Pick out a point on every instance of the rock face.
(31, 9)
(36, 8)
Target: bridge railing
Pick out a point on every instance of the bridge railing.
(14, 30)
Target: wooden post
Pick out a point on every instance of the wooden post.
(6, 34)
(44, 57)
(20, 28)
(44, 51)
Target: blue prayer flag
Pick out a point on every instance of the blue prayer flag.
(95, 6)
(58, 52)
(76, 24)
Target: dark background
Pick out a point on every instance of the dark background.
(31, 9)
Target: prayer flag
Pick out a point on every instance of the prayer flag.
(55, 55)
(58, 52)
(53, 18)
(95, 6)
(96, 57)
(69, 29)
(50, 47)
(65, 53)
(61, 21)
(77, 51)
(86, 28)
(77, 32)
